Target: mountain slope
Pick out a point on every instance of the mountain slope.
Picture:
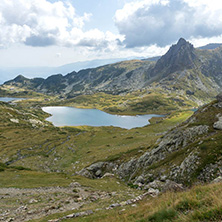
(189, 153)
(194, 73)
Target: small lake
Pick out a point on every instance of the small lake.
(69, 116)
(9, 99)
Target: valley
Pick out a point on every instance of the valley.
(167, 170)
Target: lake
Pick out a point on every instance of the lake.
(69, 116)
(9, 99)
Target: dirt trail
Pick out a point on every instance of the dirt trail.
(25, 204)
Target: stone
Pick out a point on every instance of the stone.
(218, 125)
(172, 186)
(139, 180)
(108, 175)
(115, 205)
(153, 192)
(98, 173)
(96, 170)
(163, 178)
(156, 184)
(190, 93)
(14, 120)
(33, 201)
(217, 180)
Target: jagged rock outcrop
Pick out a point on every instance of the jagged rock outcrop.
(186, 154)
(97, 170)
(179, 57)
(171, 142)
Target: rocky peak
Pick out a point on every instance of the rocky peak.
(179, 57)
(18, 79)
(182, 47)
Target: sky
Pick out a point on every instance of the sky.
(56, 32)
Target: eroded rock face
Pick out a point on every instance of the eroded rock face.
(171, 142)
(97, 170)
(188, 166)
(168, 185)
(137, 170)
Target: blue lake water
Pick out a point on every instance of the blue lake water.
(69, 116)
(9, 99)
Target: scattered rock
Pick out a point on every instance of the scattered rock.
(156, 186)
(14, 120)
(97, 170)
(10, 220)
(33, 201)
(172, 186)
(35, 122)
(79, 214)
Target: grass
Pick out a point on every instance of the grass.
(200, 203)
(69, 149)
(134, 103)
(32, 179)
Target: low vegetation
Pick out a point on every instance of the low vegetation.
(35, 154)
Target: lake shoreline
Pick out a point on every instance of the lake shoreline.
(62, 116)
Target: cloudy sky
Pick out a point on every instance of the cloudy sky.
(56, 32)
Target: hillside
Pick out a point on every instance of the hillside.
(170, 154)
(168, 170)
(187, 154)
(184, 70)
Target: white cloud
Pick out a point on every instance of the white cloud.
(163, 22)
(42, 23)
(58, 55)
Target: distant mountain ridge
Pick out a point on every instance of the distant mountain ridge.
(211, 46)
(7, 73)
(190, 71)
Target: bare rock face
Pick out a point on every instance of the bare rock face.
(97, 170)
(179, 57)
(168, 185)
(218, 125)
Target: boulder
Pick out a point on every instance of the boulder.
(172, 186)
(218, 124)
(97, 170)
(153, 192)
(163, 186)
(217, 180)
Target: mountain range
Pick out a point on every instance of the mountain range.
(7, 73)
(107, 174)
(191, 72)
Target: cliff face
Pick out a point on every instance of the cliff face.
(179, 57)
